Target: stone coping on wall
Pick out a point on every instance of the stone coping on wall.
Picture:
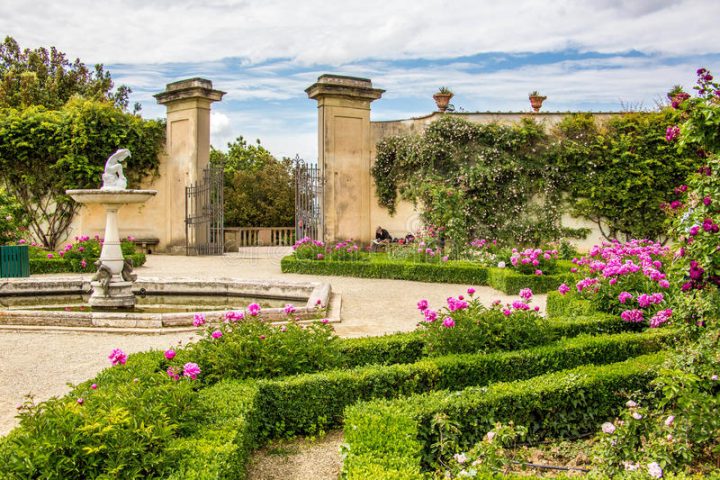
(528, 113)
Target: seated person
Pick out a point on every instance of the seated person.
(382, 237)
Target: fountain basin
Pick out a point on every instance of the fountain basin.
(111, 197)
(312, 300)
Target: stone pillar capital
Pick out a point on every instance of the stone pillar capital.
(198, 89)
(344, 87)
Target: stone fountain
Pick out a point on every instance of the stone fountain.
(113, 281)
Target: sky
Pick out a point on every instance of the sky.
(584, 55)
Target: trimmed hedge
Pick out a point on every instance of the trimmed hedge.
(504, 279)
(393, 439)
(220, 448)
(305, 404)
(568, 305)
(60, 265)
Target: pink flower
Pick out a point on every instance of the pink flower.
(526, 293)
(61, 253)
(324, 321)
(216, 334)
(422, 305)
(573, 270)
(117, 357)
(664, 284)
(173, 373)
(430, 315)
(507, 312)
(637, 416)
(262, 337)
(631, 404)
(632, 316)
(445, 258)
(448, 322)
(198, 320)
(50, 255)
(94, 386)
(191, 370)
(80, 401)
(21, 241)
(253, 309)
(563, 289)
(83, 263)
(538, 272)
(608, 428)
(707, 200)
(470, 291)
(170, 354)
(233, 316)
(672, 133)
(669, 420)
(289, 309)
(624, 297)
(320, 256)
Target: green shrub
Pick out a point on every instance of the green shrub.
(559, 305)
(256, 349)
(462, 272)
(307, 404)
(561, 404)
(119, 431)
(385, 350)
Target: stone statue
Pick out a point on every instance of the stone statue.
(103, 276)
(127, 271)
(113, 178)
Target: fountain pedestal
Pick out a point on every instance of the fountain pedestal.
(112, 284)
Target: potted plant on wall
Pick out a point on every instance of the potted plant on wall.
(442, 98)
(677, 95)
(536, 100)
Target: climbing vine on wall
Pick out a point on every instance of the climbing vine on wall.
(514, 182)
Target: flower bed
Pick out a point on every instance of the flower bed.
(79, 256)
(393, 439)
(459, 272)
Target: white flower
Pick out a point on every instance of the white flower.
(631, 404)
(654, 470)
(490, 435)
(501, 264)
(669, 420)
(608, 428)
(636, 416)
(460, 458)
(630, 466)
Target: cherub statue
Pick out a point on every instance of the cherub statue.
(113, 178)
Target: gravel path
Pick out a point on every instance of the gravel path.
(42, 362)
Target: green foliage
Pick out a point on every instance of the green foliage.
(619, 172)
(256, 349)
(118, 432)
(463, 272)
(479, 329)
(11, 219)
(80, 258)
(259, 189)
(46, 77)
(306, 404)
(562, 404)
(448, 168)
(43, 153)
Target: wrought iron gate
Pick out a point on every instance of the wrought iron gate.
(204, 214)
(308, 201)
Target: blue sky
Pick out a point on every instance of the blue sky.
(598, 55)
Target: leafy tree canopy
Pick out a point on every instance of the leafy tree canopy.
(44, 152)
(46, 77)
(259, 189)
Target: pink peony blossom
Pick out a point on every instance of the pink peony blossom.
(669, 420)
(430, 315)
(448, 322)
(216, 334)
(563, 289)
(80, 401)
(170, 354)
(422, 305)
(233, 316)
(470, 291)
(624, 297)
(117, 357)
(253, 309)
(173, 373)
(289, 309)
(93, 386)
(50, 255)
(191, 370)
(526, 293)
(198, 320)
(632, 316)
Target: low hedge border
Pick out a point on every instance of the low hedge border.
(60, 265)
(503, 279)
(568, 305)
(306, 404)
(392, 439)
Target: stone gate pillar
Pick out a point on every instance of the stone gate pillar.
(187, 148)
(344, 154)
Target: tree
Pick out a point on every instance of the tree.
(44, 152)
(259, 189)
(46, 77)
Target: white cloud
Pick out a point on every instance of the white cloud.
(325, 32)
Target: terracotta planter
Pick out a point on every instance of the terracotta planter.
(442, 100)
(536, 102)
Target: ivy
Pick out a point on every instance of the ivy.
(514, 183)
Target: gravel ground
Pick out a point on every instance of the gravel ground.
(41, 362)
